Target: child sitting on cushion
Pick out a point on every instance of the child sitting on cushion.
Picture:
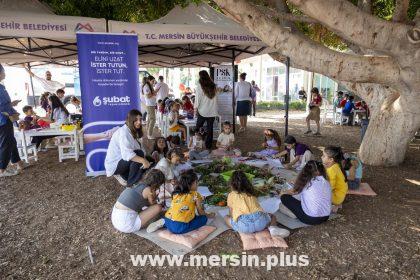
(353, 167)
(245, 213)
(332, 158)
(299, 153)
(272, 142)
(197, 146)
(128, 214)
(225, 142)
(314, 205)
(180, 217)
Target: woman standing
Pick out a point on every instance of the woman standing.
(243, 93)
(8, 145)
(125, 160)
(150, 102)
(314, 111)
(205, 106)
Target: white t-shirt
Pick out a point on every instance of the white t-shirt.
(167, 169)
(148, 101)
(48, 85)
(242, 91)
(121, 147)
(316, 198)
(225, 139)
(59, 116)
(163, 90)
(206, 107)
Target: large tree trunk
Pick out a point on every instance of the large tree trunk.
(394, 62)
(388, 135)
(393, 122)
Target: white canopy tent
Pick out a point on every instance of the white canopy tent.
(31, 32)
(194, 36)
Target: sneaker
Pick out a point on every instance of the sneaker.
(8, 173)
(150, 137)
(308, 132)
(155, 226)
(276, 231)
(317, 134)
(121, 180)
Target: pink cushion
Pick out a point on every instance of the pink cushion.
(364, 189)
(189, 239)
(260, 240)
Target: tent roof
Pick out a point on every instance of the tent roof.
(196, 35)
(30, 31)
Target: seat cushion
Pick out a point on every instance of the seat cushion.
(260, 240)
(189, 239)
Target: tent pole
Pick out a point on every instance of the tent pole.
(32, 85)
(233, 92)
(287, 97)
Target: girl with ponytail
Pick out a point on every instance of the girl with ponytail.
(332, 158)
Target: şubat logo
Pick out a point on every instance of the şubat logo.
(113, 100)
(81, 26)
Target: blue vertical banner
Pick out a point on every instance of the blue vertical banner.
(109, 83)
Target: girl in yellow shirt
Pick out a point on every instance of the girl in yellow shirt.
(332, 158)
(246, 214)
(180, 217)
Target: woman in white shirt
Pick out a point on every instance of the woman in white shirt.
(205, 105)
(59, 113)
(125, 158)
(243, 93)
(150, 102)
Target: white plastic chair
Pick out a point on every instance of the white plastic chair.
(68, 148)
(26, 151)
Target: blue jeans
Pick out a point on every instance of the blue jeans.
(180, 227)
(353, 184)
(251, 223)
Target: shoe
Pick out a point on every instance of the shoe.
(317, 134)
(276, 231)
(49, 146)
(121, 180)
(42, 149)
(241, 129)
(151, 137)
(155, 226)
(308, 132)
(8, 173)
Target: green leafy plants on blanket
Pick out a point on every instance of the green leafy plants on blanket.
(217, 174)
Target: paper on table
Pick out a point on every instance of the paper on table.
(275, 163)
(270, 204)
(204, 191)
(183, 167)
(200, 161)
(224, 212)
(256, 163)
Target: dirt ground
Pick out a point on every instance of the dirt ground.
(51, 212)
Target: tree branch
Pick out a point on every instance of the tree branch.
(286, 16)
(309, 55)
(400, 13)
(349, 23)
